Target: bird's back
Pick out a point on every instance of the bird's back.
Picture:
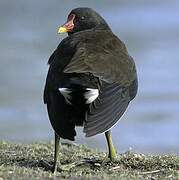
(85, 67)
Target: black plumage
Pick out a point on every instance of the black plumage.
(91, 57)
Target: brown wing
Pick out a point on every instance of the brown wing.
(106, 110)
(108, 60)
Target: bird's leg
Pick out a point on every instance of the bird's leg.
(66, 167)
(56, 154)
(111, 148)
(53, 167)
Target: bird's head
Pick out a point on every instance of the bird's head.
(81, 19)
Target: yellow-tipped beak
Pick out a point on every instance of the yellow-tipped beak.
(62, 30)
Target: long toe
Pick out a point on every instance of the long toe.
(47, 166)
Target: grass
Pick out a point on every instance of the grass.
(19, 161)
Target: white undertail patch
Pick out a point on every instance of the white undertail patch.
(91, 95)
(66, 94)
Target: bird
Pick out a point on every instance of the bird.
(91, 79)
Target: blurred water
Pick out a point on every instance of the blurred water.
(151, 32)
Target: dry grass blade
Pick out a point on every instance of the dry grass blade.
(150, 172)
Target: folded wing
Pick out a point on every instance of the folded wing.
(115, 69)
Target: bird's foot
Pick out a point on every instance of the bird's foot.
(111, 157)
(68, 167)
(47, 166)
(105, 160)
(54, 168)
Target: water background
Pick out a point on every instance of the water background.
(150, 30)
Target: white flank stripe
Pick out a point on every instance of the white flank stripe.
(91, 95)
(66, 94)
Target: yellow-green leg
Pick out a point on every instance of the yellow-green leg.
(111, 148)
(56, 154)
(66, 167)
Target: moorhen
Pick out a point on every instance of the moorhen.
(91, 79)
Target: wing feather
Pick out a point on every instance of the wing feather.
(107, 60)
(107, 110)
